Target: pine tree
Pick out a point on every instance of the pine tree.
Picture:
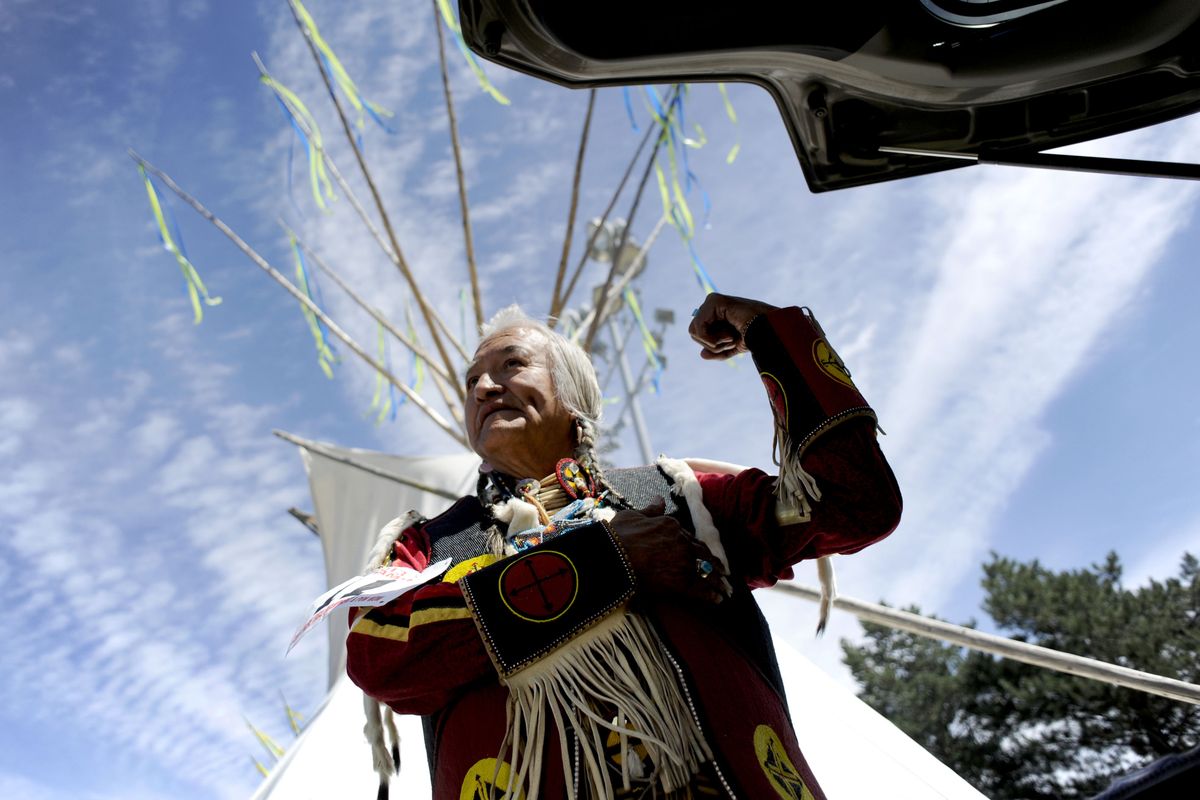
(1019, 731)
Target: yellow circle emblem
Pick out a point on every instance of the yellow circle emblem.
(486, 780)
(831, 363)
(779, 769)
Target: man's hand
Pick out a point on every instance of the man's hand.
(720, 321)
(664, 556)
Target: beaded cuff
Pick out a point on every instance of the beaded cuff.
(809, 387)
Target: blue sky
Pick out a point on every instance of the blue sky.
(1027, 338)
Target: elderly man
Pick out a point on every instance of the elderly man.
(596, 635)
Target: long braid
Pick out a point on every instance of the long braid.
(585, 454)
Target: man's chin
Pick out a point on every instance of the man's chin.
(500, 434)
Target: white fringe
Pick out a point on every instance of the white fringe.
(619, 662)
(380, 756)
(828, 590)
(794, 484)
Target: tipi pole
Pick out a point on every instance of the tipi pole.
(555, 305)
(398, 255)
(583, 257)
(612, 270)
(320, 450)
(625, 280)
(468, 239)
(439, 374)
(303, 299)
(365, 217)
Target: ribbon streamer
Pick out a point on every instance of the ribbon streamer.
(386, 405)
(629, 108)
(333, 65)
(673, 192)
(729, 112)
(326, 356)
(295, 718)
(196, 289)
(452, 23)
(305, 125)
(266, 741)
(649, 343)
(416, 365)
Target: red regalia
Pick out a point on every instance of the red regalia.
(496, 636)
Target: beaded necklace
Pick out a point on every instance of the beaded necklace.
(564, 500)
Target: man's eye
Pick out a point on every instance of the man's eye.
(471, 381)
(514, 362)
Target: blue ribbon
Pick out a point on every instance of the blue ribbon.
(629, 108)
(314, 291)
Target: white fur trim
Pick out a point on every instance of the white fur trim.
(388, 534)
(604, 514)
(685, 484)
(714, 467)
(519, 515)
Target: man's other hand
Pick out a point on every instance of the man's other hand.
(665, 556)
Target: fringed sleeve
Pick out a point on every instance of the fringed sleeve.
(835, 492)
(810, 390)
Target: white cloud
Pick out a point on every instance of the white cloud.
(153, 437)
(1162, 560)
(17, 418)
(193, 10)
(164, 595)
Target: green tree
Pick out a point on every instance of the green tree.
(1019, 731)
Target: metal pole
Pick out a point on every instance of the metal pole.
(1007, 648)
(635, 408)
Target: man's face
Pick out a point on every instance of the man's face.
(514, 419)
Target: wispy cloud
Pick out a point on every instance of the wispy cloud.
(165, 622)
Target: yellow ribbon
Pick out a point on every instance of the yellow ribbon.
(729, 112)
(484, 83)
(195, 286)
(335, 66)
(379, 399)
(317, 174)
(325, 356)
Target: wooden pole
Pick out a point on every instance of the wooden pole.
(583, 257)
(320, 450)
(555, 306)
(1008, 648)
(439, 376)
(626, 279)
(612, 270)
(468, 239)
(397, 253)
(303, 299)
(366, 219)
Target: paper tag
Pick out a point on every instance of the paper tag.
(375, 588)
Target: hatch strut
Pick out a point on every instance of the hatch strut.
(1112, 166)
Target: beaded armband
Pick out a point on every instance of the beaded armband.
(529, 605)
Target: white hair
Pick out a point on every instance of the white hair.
(574, 376)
